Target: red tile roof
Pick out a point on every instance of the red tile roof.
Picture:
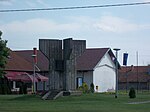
(16, 62)
(23, 60)
(42, 61)
(140, 73)
(90, 57)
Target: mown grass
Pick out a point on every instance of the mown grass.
(84, 103)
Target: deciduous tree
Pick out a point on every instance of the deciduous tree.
(4, 53)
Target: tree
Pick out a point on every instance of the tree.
(4, 53)
(132, 93)
(92, 88)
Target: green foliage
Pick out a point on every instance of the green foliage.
(92, 88)
(4, 53)
(108, 93)
(22, 88)
(132, 93)
(0, 33)
(85, 87)
(25, 88)
(4, 86)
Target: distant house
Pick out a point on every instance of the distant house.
(97, 66)
(21, 62)
(138, 77)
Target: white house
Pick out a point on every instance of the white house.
(97, 66)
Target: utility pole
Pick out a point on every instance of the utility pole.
(116, 90)
(137, 72)
(34, 65)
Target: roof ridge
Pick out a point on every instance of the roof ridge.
(97, 48)
(22, 50)
(90, 58)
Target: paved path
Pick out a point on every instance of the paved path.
(139, 102)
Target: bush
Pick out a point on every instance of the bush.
(24, 88)
(4, 86)
(85, 87)
(92, 88)
(132, 93)
(20, 88)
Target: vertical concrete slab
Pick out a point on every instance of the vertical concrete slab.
(52, 49)
(72, 49)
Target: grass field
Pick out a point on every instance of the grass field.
(84, 103)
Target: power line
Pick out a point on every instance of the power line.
(76, 7)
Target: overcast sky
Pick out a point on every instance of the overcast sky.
(127, 28)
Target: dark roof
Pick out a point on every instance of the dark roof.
(138, 73)
(42, 61)
(23, 60)
(90, 58)
(16, 62)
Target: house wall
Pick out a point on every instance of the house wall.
(104, 76)
(43, 86)
(87, 77)
(135, 85)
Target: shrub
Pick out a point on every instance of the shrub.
(4, 86)
(92, 88)
(132, 93)
(20, 88)
(24, 88)
(85, 87)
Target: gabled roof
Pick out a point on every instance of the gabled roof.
(23, 60)
(90, 58)
(16, 62)
(138, 73)
(42, 61)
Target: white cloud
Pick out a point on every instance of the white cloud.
(36, 3)
(146, 0)
(42, 2)
(117, 25)
(6, 2)
(141, 0)
(38, 25)
(31, 4)
(75, 24)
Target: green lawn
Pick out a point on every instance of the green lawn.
(84, 103)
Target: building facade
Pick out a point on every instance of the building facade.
(137, 77)
(67, 63)
(97, 66)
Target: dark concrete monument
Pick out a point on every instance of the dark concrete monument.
(62, 55)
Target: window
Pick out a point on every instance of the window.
(79, 82)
